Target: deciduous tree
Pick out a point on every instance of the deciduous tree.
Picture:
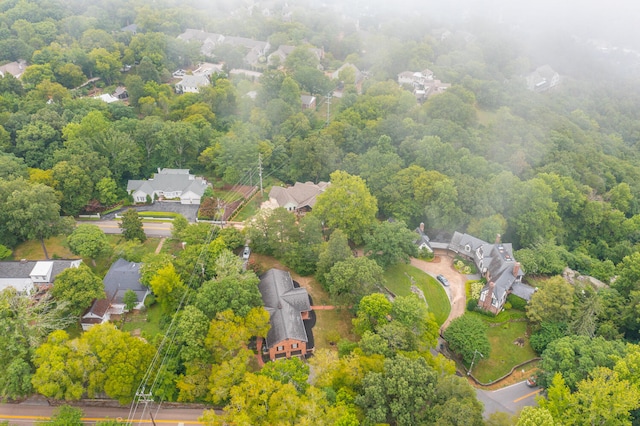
(401, 394)
(551, 303)
(89, 241)
(78, 286)
(467, 335)
(349, 280)
(347, 205)
(131, 226)
(390, 243)
(168, 287)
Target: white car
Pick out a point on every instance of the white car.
(246, 253)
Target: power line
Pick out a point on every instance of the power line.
(143, 396)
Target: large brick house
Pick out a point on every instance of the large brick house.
(288, 307)
(497, 264)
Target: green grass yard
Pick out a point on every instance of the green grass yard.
(398, 282)
(249, 209)
(146, 323)
(509, 345)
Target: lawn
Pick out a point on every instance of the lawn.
(32, 250)
(146, 323)
(398, 282)
(505, 353)
(249, 209)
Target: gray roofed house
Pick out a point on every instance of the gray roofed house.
(300, 197)
(497, 264)
(122, 276)
(27, 275)
(169, 183)
(192, 83)
(422, 241)
(288, 306)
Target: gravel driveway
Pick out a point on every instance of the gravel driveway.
(455, 290)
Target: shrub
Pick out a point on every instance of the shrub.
(426, 254)
(516, 302)
(475, 287)
(149, 301)
(472, 304)
(507, 306)
(345, 347)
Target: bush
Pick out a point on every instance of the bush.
(507, 306)
(475, 287)
(516, 302)
(426, 254)
(345, 347)
(472, 304)
(149, 301)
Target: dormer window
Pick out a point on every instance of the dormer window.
(467, 248)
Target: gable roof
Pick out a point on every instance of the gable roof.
(493, 260)
(423, 239)
(123, 276)
(299, 195)
(285, 303)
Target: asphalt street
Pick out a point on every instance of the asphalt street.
(509, 400)
(155, 229)
(27, 414)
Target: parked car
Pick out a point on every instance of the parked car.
(246, 253)
(443, 280)
(532, 382)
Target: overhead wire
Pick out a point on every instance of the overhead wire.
(142, 395)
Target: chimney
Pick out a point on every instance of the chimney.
(498, 239)
(516, 269)
(486, 303)
(422, 227)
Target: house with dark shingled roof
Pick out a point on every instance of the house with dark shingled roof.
(122, 276)
(497, 264)
(288, 307)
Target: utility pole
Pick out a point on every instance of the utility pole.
(328, 108)
(475, 352)
(144, 398)
(260, 171)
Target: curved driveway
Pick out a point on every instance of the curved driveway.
(455, 291)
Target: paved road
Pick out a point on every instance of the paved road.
(155, 229)
(509, 400)
(27, 414)
(455, 291)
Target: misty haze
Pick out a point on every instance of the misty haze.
(320, 212)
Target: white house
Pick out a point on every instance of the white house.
(169, 184)
(192, 83)
(28, 275)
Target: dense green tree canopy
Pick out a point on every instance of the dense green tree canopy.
(347, 205)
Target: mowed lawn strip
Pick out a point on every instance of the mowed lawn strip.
(505, 353)
(399, 283)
